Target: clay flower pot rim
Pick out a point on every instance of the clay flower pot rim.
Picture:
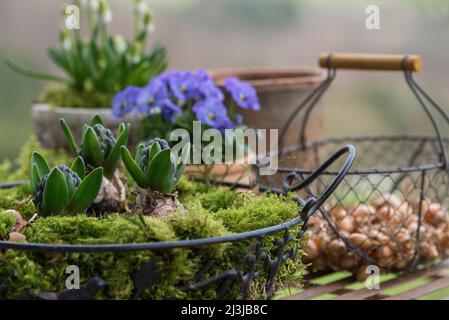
(104, 113)
(266, 78)
(45, 106)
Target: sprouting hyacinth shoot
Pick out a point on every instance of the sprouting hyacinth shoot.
(99, 147)
(63, 190)
(154, 166)
(71, 177)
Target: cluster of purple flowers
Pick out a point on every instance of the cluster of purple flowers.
(173, 92)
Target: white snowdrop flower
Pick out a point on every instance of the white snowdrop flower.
(94, 4)
(150, 27)
(106, 17)
(120, 43)
(141, 7)
(66, 44)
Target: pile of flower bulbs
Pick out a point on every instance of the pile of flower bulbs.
(384, 230)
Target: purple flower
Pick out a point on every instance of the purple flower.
(125, 102)
(213, 113)
(202, 75)
(210, 91)
(153, 97)
(183, 85)
(243, 93)
(170, 111)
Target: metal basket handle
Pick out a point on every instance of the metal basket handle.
(314, 203)
(406, 63)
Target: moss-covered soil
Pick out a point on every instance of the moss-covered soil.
(210, 211)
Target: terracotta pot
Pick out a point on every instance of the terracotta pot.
(223, 172)
(49, 132)
(280, 92)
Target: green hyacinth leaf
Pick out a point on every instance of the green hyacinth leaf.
(35, 178)
(133, 168)
(86, 192)
(113, 159)
(69, 135)
(41, 163)
(71, 188)
(78, 167)
(155, 148)
(96, 119)
(185, 154)
(160, 173)
(92, 152)
(55, 196)
(122, 127)
(139, 152)
(85, 127)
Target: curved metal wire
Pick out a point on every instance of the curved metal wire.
(417, 173)
(312, 98)
(310, 102)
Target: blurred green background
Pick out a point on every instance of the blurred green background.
(253, 33)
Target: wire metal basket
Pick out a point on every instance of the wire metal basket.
(391, 208)
(265, 250)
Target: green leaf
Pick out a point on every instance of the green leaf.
(70, 187)
(155, 148)
(185, 154)
(92, 152)
(160, 174)
(55, 196)
(69, 135)
(35, 178)
(86, 192)
(96, 119)
(133, 169)
(33, 74)
(59, 58)
(113, 159)
(122, 127)
(78, 167)
(41, 163)
(139, 152)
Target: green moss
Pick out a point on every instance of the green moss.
(67, 97)
(188, 188)
(7, 221)
(216, 199)
(210, 211)
(17, 198)
(22, 164)
(251, 212)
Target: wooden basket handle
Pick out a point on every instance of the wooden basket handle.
(370, 61)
